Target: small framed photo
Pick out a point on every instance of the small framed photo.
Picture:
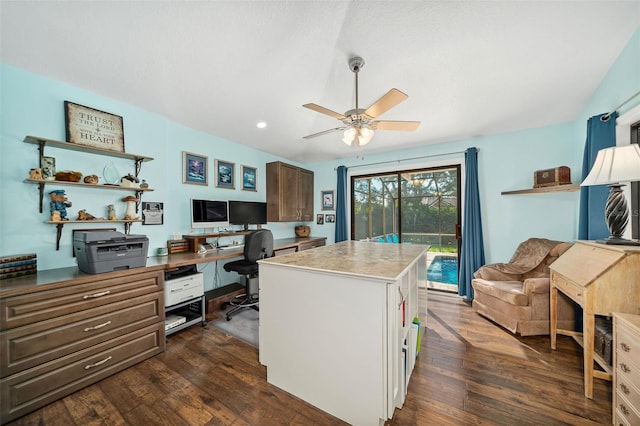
(328, 199)
(152, 213)
(249, 177)
(330, 218)
(194, 168)
(320, 219)
(92, 127)
(225, 174)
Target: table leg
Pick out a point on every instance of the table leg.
(588, 335)
(553, 317)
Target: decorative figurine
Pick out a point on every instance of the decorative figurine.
(91, 179)
(83, 215)
(58, 205)
(130, 213)
(111, 212)
(129, 181)
(35, 174)
(144, 184)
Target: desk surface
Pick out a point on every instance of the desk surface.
(33, 283)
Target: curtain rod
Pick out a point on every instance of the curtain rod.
(608, 115)
(406, 159)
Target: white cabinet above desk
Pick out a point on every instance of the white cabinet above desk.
(336, 323)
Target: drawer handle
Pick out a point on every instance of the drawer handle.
(87, 367)
(625, 347)
(94, 295)
(624, 410)
(624, 389)
(624, 367)
(579, 294)
(96, 327)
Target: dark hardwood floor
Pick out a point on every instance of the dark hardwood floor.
(470, 372)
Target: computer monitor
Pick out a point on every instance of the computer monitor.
(209, 213)
(247, 213)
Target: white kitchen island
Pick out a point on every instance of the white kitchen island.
(336, 326)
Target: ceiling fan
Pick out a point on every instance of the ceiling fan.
(360, 124)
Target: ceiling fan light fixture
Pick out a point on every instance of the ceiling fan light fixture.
(357, 135)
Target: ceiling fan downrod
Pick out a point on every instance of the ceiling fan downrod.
(355, 65)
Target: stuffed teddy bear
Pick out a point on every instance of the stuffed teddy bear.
(58, 204)
(35, 174)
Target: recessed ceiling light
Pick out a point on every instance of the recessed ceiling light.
(261, 124)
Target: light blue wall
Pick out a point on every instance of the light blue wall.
(33, 105)
(506, 162)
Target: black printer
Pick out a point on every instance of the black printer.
(107, 251)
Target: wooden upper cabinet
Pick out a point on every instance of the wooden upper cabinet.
(289, 193)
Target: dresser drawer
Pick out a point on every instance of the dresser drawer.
(574, 291)
(628, 391)
(17, 311)
(30, 345)
(625, 411)
(627, 342)
(311, 244)
(33, 388)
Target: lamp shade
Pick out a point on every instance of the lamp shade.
(614, 165)
(357, 135)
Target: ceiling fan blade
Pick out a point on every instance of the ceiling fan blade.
(392, 98)
(323, 133)
(325, 111)
(408, 126)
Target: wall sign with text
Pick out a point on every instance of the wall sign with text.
(92, 127)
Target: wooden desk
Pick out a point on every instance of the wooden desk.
(602, 279)
(280, 246)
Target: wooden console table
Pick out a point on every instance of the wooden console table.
(602, 279)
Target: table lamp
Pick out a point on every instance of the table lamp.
(613, 166)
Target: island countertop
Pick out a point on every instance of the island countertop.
(371, 259)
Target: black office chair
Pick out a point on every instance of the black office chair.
(257, 245)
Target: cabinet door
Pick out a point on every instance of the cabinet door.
(288, 193)
(305, 194)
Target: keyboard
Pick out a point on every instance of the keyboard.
(235, 246)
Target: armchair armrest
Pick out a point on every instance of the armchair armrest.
(536, 286)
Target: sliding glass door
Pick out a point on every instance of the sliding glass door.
(416, 206)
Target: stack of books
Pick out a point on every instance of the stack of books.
(177, 246)
(18, 265)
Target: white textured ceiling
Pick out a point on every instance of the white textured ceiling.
(469, 67)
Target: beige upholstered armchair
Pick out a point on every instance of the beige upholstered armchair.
(516, 294)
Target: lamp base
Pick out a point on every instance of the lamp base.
(619, 241)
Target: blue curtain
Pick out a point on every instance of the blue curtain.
(341, 205)
(472, 251)
(600, 134)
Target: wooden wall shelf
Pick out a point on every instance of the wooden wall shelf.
(559, 188)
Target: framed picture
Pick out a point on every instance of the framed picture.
(92, 127)
(320, 219)
(330, 218)
(152, 213)
(249, 177)
(194, 168)
(225, 174)
(328, 198)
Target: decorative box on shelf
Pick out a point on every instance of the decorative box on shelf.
(552, 177)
